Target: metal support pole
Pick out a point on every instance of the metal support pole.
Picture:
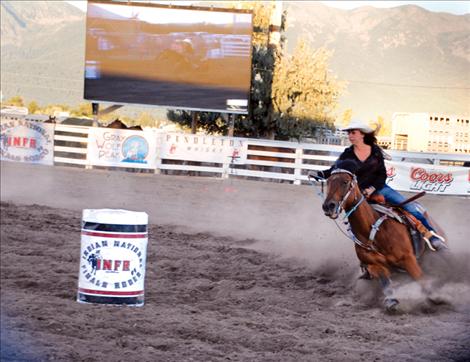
(95, 109)
(194, 119)
(231, 124)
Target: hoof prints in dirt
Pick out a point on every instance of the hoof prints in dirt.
(206, 299)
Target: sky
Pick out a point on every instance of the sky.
(453, 7)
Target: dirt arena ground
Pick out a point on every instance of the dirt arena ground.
(236, 271)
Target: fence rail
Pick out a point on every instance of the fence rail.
(275, 156)
(264, 160)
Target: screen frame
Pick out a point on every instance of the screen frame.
(179, 7)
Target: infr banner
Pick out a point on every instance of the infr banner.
(203, 148)
(27, 141)
(122, 148)
(433, 179)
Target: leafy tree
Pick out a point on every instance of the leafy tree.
(82, 110)
(256, 124)
(16, 101)
(290, 95)
(52, 109)
(147, 120)
(210, 122)
(346, 118)
(385, 127)
(304, 92)
(33, 107)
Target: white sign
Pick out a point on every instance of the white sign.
(430, 178)
(203, 148)
(112, 264)
(27, 141)
(122, 148)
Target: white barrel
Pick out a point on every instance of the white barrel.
(112, 257)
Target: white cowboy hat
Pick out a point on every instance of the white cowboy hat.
(361, 126)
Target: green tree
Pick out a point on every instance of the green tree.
(33, 107)
(304, 92)
(257, 123)
(290, 94)
(52, 109)
(385, 127)
(82, 110)
(346, 117)
(16, 101)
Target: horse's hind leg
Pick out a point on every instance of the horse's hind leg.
(416, 273)
(412, 267)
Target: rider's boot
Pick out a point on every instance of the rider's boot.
(437, 241)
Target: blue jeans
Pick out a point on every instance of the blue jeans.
(394, 197)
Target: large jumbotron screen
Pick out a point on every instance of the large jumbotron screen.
(169, 56)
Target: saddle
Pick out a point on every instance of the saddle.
(420, 235)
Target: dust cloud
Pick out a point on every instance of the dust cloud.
(236, 269)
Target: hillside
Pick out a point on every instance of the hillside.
(42, 51)
(397, 59)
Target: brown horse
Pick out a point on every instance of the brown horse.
(391, 246)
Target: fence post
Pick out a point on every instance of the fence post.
(299, 152)
(160, 138)
(225, 170)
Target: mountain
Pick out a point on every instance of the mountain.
(396, 59)
(42, 51)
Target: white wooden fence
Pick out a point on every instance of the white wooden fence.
(266, 160)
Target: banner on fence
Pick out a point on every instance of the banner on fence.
(430, 178)
(203, 148)
(27, 141)
(122, 148)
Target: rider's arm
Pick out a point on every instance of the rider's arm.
(327, 173)
(380, 173)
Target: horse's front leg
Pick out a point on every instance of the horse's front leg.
(383, 274)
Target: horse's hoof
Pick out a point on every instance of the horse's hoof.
(391, 304)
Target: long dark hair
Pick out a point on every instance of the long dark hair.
(370, 139)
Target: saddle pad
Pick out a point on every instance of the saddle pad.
(381, 209)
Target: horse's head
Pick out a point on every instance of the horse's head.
(341, 185)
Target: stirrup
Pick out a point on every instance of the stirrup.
(428, 243)
(437, 236)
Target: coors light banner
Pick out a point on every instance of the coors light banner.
(433, 179)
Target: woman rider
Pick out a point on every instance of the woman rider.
(371, 173)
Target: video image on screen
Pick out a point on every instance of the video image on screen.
(176, 57)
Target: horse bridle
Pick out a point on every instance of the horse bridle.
(352, 183)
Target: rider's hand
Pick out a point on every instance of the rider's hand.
(369, 191)
(317, 175)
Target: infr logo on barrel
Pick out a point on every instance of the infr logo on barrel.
(112, 257)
